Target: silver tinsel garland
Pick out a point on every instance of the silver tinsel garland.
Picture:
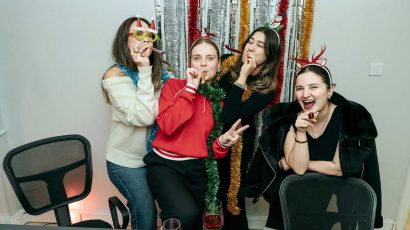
(171, 14)
(221, 17)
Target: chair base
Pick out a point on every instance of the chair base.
(92, 224)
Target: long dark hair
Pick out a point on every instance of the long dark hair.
(121, 54)
(266, 81)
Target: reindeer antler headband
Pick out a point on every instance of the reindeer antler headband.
(151, 26)
(275, 25)
(140, 33)
(205, 34)
(317, 60)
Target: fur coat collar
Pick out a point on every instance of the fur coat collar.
(357, 122)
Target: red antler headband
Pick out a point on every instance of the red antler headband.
(317, 60)
(206, 34)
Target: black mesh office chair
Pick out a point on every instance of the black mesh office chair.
(51, 173)
(317, 201)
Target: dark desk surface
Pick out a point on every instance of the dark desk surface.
(32, 227)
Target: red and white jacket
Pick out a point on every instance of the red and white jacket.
(185, 121)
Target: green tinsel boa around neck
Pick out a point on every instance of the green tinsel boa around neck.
(215, 94)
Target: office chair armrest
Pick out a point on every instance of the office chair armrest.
(114, 204)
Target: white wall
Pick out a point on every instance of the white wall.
(9, 205)
(53, 54)
(357, 33)
(52, 57)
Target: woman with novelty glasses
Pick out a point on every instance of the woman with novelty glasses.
(132, 86)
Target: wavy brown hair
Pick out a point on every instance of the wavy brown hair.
(266, 81)
(121, 54)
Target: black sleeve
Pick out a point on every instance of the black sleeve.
(234, 108)
(352, 157)
(371, 175)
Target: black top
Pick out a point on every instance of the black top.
(324, 147)
(357, 149)
(234, 108)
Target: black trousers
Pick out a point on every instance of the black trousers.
(275, 218)
(179, 188)
(232, 222)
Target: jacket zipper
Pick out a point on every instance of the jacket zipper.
(361, 174)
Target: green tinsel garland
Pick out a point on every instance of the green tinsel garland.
(215, 95)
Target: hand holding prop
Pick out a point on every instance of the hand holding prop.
(203, 74)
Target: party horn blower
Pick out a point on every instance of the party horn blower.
(160, 52)
(203, 77)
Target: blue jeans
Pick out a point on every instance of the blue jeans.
(132, 184)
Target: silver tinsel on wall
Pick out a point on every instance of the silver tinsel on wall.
(292, 47)
(222, 19)
(262, 12)
(216, 15)
(171, 14)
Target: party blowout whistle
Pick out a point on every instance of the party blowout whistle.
(203, 77)
(160, 52)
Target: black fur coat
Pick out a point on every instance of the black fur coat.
(357, 148)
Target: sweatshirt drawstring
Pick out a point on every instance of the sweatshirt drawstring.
(179, 91)
(203, 111)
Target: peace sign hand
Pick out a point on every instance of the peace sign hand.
(232, 135)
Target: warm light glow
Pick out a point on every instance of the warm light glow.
(75, 206)
(75, 212)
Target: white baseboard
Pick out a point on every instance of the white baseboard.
(389, 224)
(12, 219)
(256, 222)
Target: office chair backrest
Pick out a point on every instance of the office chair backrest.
(317, 201)
(49, 174)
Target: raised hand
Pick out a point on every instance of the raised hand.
(194, 76)
(232, 135)
(141, 53)
(305, 120)
(249, 64)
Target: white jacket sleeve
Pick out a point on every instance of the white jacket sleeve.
(133, 105)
